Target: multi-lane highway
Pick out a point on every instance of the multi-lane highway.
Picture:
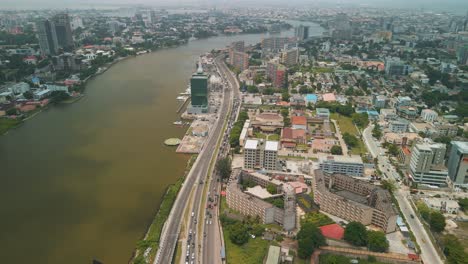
(428, 251)
(194, 182)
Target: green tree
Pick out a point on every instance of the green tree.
(223, 167)
(252, 89)
(238, 234)
(285, 96)
(361, 120)
(309, 238)
(11, 111)
(271, 188)
(463, 204)
(377, 241)
(28, 95)
(437, 221)
(257, 230)
(350, 140)
(423, 210)
(377, 131)
(454, 250)
(336, 150)
(356, 234)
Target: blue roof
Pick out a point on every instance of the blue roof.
(311, 98)
(399, 221)
(35, 80)
(373, 112)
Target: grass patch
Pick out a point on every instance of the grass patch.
(318, 219)
(7, 124)
(260, 135)
(291, 157)
(322, 70)
(346, 125)
(330, 258)
(275, 137)
(462, 234)
(251, 252)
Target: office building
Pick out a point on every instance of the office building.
(354, 200)
(302, 32)
(352, 166)
(67, 62)
(342, 27)
(199, 92)
(278, 74)
(462, 55)
(399, 125)
(63, 31)
(273, 44)
(427, 164)
(394, 66)
(47, 37)
(240, 60)
(429, 115)
(458, 163)
(260, 154)
(290, 57)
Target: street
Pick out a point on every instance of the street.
(428, 251)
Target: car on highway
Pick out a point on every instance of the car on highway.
(412, 216)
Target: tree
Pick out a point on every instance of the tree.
(463, 204)
(238, 234)
(336, 150)
(350, 140)
(257, 230)
(356, 234)
(252, 89)
(454, 250)
(377, 131)
(285, 96)
(271, 188)
(309, 238)
(437, 221)
(393, 149)
(223, 166)
(361, 120)
(303, 89)
(28, 95)
(388, 185)
(11, 111)
(377, 241)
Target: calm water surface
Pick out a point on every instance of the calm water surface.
(84, 180)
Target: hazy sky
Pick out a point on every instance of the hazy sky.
(453, 5)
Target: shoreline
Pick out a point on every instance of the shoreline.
(155, 227)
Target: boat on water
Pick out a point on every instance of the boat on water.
(178, 123)
(182, 98)
(187, 91)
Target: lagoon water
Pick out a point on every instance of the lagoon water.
(83, 181)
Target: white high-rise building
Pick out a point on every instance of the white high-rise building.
(427, 164)
(458, 163)
(261, 154)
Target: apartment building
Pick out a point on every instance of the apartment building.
(398, 126)
(290, 57)
(427, 164)
(352, 166)
(429, 115)
(354, 200)
(261, 154)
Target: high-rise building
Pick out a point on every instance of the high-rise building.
(261, 154)
(290, 57)
(278, 74)
(302, 32)
(63, 31)
(342, 27)
(458, 163)
(273, 44)
(427, 164)
(47, 37)
(462, 55)
(394, 66)
(240, 60)
(199, 92)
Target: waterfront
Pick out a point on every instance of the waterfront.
(84, 180)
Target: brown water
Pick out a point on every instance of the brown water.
(84, 180)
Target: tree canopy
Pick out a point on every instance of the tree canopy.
(377, 241)
(309, 238)
(336, 150)
(223, 167)
(356, 234)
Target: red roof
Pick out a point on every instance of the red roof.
(299, 120)
(223, 193)
(333, 231)
(413, 256)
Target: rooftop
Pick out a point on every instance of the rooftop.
(339, 158)
(273, 255)
(259, 192)
(328, 97)
(271, 146)
(461, 145)
(251, 144)
(299, 120)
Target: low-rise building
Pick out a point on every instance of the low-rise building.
(399, 125)
(322, 113)
(299, 122)
(442, 205)
(429, 115)
(352, 165)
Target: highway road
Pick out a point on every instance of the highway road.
(402, 195)
(213, 241)
(195, 180)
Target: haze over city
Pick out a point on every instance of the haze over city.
(217, 131)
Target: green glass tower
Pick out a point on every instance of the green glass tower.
(199, 88)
